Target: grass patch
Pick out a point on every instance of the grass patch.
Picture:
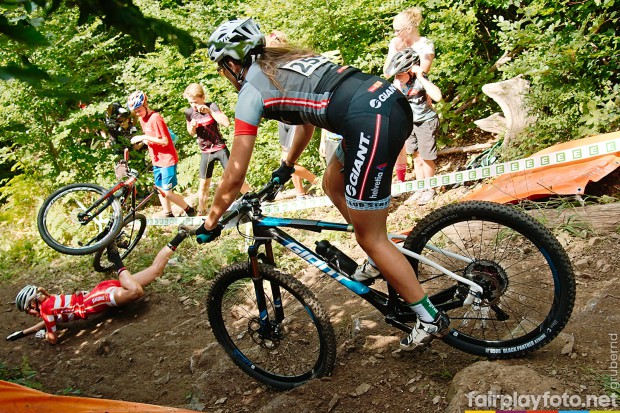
(23, 374)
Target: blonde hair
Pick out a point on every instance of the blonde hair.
(272, 57)
(194, 90)
(413, 15)
(276, 38)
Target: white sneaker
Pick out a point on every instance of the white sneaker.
(365, 272)
(423, 333)
(426, 196)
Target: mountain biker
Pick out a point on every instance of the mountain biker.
(120, 124)
(53, 309)
(299, 87)
(161, 150)
(202, 119)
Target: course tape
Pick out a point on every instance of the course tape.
(554, 158)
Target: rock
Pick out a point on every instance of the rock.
(568, 344)
(471, 387)
(361, 389)
(333, 402)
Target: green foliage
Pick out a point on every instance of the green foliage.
(23, 375)
(58, 60)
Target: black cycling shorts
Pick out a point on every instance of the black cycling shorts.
(207, 162)
(375, 120)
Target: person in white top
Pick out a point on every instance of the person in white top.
(407, 35)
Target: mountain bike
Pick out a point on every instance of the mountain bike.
(83, 218)
(504, 280)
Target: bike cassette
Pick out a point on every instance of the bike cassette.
(491, 277)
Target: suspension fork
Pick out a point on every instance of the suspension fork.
(257, 280)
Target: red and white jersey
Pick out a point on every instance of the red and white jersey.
(64, 308)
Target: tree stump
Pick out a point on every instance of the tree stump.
(509, 96)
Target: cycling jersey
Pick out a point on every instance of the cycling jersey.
(371, 115)
(64, 308)
(208, 134)
(306, 88)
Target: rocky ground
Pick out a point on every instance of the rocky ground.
(160, 350)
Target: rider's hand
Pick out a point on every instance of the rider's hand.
(204, 235)
(40, 334)
(283, 173)
(15, 336)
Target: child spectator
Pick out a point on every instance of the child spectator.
(162, 152)
(202, 122)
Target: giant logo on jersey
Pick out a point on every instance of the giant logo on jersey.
(376, 103)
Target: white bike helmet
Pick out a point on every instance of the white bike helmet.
(235, 38)
(136, 99)
(402, 62)
(25, 297)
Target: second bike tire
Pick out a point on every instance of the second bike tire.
(527, 276)
(100, 264)
(58, 226)
(305, 345)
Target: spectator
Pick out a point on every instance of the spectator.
(53, 309)
(406, 35)
(162, 152)
(120, 126)
(288, 133)
(202, 122)
(416, 86)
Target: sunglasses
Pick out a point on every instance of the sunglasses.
(397, 31)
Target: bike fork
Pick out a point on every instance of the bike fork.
(259, 290)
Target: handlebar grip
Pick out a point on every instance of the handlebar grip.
(201, 239)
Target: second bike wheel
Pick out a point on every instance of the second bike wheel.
(294, 346)
(130, 234)
(63, 227)
(527, 280)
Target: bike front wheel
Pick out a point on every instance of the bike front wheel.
(284, 345)
(130, 234)
(65, 225)
(527, 280)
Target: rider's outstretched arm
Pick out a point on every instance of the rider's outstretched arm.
(30, 330)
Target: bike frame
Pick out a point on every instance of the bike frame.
(396, 312)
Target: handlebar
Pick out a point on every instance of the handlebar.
(244, 204)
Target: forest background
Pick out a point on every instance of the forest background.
(63, 62)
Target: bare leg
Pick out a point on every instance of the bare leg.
(203, 194)
(165, 204)
(303, 173)
(333, 185)
(146, 276)
(175, 199)
(298, 184)
(423, 168)
(371, 235)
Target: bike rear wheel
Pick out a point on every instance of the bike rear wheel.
(296, 344)
(528, 282)
(63, 227)
(130, 234)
